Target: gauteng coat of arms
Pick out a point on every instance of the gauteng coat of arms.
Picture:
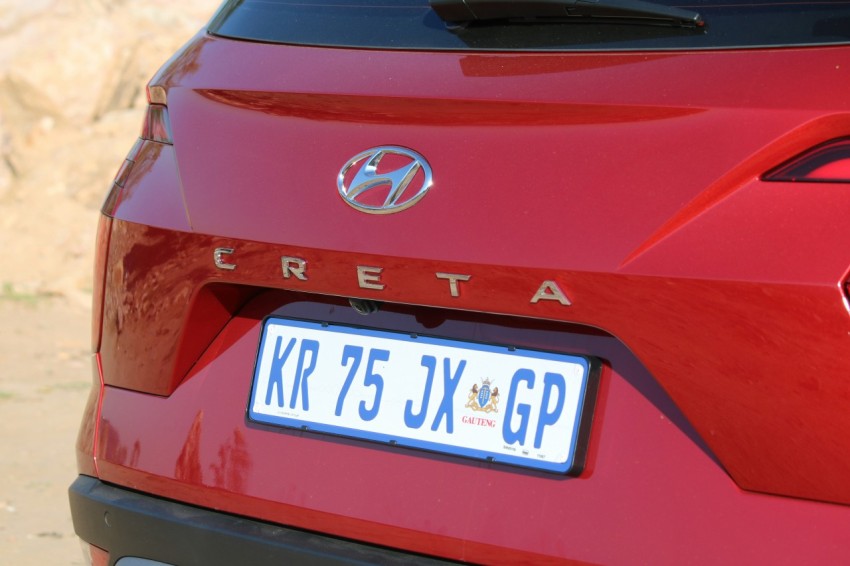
(483, 399)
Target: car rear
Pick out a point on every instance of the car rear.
(373, 288)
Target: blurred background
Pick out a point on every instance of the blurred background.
(72, 77)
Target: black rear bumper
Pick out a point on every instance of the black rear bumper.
(131, 524)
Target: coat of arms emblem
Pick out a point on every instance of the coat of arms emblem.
(483, 399)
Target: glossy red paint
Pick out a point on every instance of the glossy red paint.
(714, 298)
(747, 388)
(104, 229)
(87, 440)
(652, 490)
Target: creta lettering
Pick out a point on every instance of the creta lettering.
(371, 277)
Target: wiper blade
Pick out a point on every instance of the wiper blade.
(470, 11)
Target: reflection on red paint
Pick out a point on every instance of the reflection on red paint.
(188, 467)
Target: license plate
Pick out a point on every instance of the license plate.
(482, 401)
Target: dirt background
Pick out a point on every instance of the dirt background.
(72, 76)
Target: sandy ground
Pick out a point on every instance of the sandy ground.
(45, 361)
(72, 76)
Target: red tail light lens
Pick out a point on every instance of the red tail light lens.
(157, 95)
(156, 126)
(104, 230)
(93, 555)
(826, 163)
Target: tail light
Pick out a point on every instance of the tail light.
(94, 556)
(825, 163)
(156, 127)
(104, 230)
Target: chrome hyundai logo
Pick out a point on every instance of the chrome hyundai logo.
(400, 183)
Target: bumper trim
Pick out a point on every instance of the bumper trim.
(131, 524)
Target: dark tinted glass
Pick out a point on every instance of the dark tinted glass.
(411, 24)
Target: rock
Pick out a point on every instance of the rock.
(6, 179)
(62, 75)
(7, 174)
(72, 77)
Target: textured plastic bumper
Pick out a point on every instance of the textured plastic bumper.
(131, 524)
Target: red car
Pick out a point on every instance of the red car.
(386, 281)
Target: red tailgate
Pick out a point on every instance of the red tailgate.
(640, 203)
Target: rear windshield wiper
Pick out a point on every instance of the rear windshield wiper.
(461, 12)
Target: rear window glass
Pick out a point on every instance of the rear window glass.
(412, 24)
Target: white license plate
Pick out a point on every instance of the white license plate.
(494, 403)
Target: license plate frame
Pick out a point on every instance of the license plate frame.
(299, 384)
